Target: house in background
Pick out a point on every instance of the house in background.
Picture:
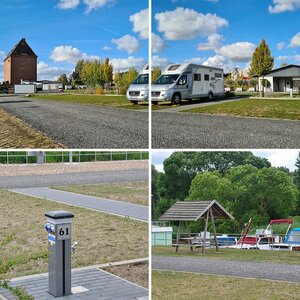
(20, 64)
(283, 79)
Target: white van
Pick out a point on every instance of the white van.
(187, 81)
(139, 88)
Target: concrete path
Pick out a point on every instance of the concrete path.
(97, 284)
(200, 131)
(273, 271)
(114, 207)
(197, 105)
(82, 126)
(10, 182)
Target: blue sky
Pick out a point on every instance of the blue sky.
(62, 31)
(277, 158)
(225, 31)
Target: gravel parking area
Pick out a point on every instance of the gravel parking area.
(82, 126)
(273, 271)
(187, 130)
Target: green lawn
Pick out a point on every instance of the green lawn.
(101, 100)
(261, 108)
(290, 257)
(132, 192)
(179, 285)
(101, 237)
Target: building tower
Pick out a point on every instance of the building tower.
(20, 64)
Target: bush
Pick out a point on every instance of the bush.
(99, 90)
(122, 90)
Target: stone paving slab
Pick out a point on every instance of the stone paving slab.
(5, 294)
(115, 207)
(65, 168)
(100, 285)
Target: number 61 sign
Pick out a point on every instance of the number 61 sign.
(63, 232)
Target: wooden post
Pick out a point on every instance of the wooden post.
(205, 231)
(189, 235)
(214, 229)
(178, 236)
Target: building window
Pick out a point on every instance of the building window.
(218, 75)
(206, 77)
(197, 77)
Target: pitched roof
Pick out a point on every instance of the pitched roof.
(283, 68)
(195, 210)
(21, 48)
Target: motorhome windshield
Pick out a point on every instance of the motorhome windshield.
(167, 79)
(141, 79)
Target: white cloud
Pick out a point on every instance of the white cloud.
(214, 41)
(280, 6)
(123, 64)
(291, 57)
(45, 72)
(69, 54)
(158, 44)
(95, 4)
(127, 43)
(280, 45)
(140, 22)
(107, 48)
(68, 4)
(295, 41)
(185, 24)
(237, 52)
(195, 60)
(159, 61)
(217, 61)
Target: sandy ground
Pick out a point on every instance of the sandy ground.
(63, 168)
(16, 134)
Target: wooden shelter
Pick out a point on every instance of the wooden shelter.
(192, 211)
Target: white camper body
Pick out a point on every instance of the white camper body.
(139, 88)
(188, 81)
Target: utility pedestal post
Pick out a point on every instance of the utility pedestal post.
(59, 245)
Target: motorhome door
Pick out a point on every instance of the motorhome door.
(184, 85)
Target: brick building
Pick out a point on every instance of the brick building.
(20, 64)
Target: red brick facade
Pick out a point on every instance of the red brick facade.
(20, 64)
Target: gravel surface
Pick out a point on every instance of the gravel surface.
(64, 168)
(273, 271)
(186, 130)
(82, 126)
(10, 182)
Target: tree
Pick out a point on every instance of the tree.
(108, 71)
(92, 73)
(262, 62)
(75, 77)
(156, 72)
(63, 78)
(296, 180)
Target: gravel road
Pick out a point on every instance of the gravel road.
(10, 182)
(82, 126)
(186, 130)
(273, 271)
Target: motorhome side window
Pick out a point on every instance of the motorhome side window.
(206, 77)
(218, 75)
(197, 77)
(182, 80)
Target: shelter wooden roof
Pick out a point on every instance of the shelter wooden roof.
(195, 210)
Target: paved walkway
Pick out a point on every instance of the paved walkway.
(10, 182)
(197, 105)
(97, 284)
(264, 270)
(114, 207)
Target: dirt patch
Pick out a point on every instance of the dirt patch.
(136, 273)
(16, 134)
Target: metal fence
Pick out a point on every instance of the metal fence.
(23, 157)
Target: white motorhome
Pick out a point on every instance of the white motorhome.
(139, 88)
(187, 81)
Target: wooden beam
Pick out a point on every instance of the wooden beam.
(214, 229)
(205, 231)
(189, 235)
(178, 236)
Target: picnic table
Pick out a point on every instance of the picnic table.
(195, 241)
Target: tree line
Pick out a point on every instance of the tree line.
(246, 185)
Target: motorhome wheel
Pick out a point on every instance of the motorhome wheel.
(134, 102)
(210, 96)
(176, 99)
